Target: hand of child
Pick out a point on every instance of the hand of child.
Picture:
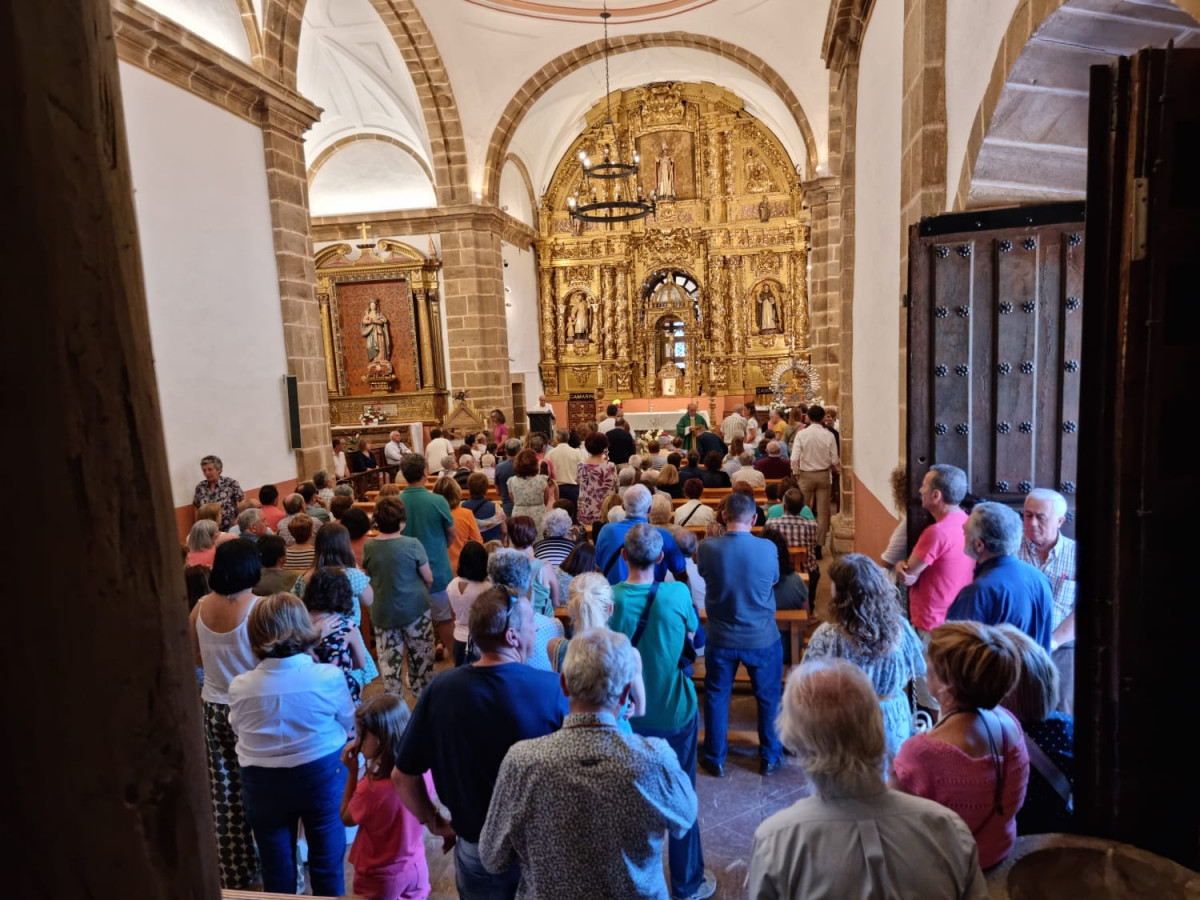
(350, 756)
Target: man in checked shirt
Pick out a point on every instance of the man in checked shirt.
(1053, 553)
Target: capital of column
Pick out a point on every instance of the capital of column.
(818, 192)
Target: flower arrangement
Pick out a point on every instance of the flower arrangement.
(654, 434)
(372, 415)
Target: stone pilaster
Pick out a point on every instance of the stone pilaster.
(287, 188)
(923, 142)
(823, 196)
(476, 327)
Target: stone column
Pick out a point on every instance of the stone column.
(476, 327)
(287, 187)
(823, 196)
(106, 716)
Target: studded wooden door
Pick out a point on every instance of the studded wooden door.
(994, 331)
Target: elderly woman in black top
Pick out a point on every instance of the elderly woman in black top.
(711, 474)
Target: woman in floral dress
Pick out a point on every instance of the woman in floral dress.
(597, 478)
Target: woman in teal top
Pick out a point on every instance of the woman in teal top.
(590, 605)
(400, 616)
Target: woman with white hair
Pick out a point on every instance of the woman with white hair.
(556, 546)
(854, 837)
(590, 605)
(202, 543)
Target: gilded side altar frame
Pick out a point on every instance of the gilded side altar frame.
(384, 260)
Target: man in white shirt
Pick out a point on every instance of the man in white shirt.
(814, 460)
(438, 448)
(734, 425)
(394, 449)
(339, 458)
(609, 423)
(564, 461)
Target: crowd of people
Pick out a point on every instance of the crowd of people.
(561, 740)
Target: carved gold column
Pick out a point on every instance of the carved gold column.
(624, 312)
(606, 312)
(327, 337)
(428, 378)
(737, 313)
(549, 348)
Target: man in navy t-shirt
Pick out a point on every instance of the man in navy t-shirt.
(1005, 589)
(463, 725)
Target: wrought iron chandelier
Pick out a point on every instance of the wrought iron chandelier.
(614, 199)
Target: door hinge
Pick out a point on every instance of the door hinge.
(1141, 217)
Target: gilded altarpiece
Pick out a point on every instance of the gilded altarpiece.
(381, 322)
(709, 295)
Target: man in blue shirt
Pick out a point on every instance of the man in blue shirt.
(504, 471)
(739, 572)
(636, 504)
(464, 724)
(1005, 589)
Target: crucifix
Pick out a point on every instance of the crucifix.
(363, 230)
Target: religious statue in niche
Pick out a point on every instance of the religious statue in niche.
(768, 310)
(579, 319)
(379, 341)
(764, 210)
(664, 174)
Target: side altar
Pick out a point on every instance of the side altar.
(381, 323)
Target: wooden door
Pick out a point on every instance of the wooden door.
(1137, 616)
(994, 332)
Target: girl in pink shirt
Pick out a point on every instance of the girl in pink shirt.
(388, 855)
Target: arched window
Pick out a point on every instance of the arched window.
(670, 344)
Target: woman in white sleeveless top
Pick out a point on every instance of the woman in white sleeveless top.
(222, 646)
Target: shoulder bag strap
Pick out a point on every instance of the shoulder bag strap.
(645, 616)
(1041, 761)
(688, 517)
(612, 562)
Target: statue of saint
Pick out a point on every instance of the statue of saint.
(768, 310)
(578, 324)
(664, 174)
(375, 330)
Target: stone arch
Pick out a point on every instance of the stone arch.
(367, 137)
(442, 121)
(253, 33)
(281, 40)
(561, 66)
(282, 20)
(1018, 64)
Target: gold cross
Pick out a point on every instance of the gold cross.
(363, 230)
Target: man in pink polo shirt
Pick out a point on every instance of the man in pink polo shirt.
(938, 568)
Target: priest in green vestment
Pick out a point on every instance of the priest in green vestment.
(687, 423)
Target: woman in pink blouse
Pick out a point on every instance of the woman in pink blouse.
(499, 428)
(974, 760)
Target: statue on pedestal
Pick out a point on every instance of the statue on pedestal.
(379, 342)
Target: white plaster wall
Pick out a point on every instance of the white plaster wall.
(217, 21)
(200, 191)
(514, 195)
(521, 314)
(974, 30)
(877, 288)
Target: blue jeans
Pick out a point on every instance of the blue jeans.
(474, 882)
(765, 666)
(277, 800)
(685, 856)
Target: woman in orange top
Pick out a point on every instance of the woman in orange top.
(465, 526)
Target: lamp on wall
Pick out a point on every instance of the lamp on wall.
(623, 201)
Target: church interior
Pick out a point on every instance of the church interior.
(261, 225)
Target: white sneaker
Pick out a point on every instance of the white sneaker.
(706, 889)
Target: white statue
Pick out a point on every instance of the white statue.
(768, 310)
(664, 174)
